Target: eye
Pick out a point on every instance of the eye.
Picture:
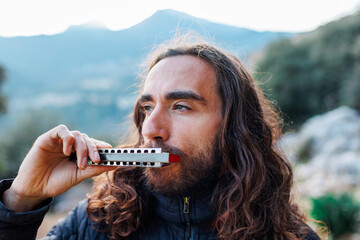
(181, 107)
(146, 108)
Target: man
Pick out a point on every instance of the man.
(196, 102)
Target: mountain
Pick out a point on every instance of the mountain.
(86, 73)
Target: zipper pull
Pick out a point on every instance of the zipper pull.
(186, 204)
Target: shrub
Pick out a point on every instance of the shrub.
(315, 72)
(340, 213)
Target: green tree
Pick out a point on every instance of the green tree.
(315, 72)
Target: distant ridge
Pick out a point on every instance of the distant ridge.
(92, 25)
(168, 21)
(55, 71)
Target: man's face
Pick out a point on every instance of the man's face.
(183, 115)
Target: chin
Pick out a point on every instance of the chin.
(165, 179)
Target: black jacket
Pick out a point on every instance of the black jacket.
(169, 219)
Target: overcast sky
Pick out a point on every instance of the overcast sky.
(33, 17)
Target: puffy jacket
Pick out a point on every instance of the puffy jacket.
(173, 218)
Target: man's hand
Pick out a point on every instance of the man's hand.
(46, 170)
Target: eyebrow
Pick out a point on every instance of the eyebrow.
(176, 95)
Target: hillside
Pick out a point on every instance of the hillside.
(315, 72)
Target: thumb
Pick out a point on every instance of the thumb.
(92, 171)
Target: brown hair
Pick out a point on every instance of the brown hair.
(252, 197)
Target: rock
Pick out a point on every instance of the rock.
(329, 173)
(333, 132)
(326, 152)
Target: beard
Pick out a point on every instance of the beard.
(192, 175)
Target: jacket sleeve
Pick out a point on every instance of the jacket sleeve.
(76, 226)
(24, 225)
(73, 226)
(312, 236)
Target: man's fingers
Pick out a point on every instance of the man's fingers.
(69, 141)
(81, 149)
(92, 171)
(101, 144)
(59, 136)
(92, 149)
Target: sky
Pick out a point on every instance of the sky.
(27, 18)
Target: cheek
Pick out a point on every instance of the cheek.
(205, 128)
(184, 136)
(196, 138)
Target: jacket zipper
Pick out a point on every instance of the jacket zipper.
(186, 211)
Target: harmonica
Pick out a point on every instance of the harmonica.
(132, 157)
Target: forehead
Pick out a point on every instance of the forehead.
(181, 73)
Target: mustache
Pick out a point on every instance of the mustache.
(165, 148)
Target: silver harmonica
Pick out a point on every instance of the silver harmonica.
(132, 157)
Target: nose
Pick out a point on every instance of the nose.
(155, 126)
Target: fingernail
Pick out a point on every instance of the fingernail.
(97, 156)
(68, 150)
(84, 163)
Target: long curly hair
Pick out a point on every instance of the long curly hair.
(252, 198)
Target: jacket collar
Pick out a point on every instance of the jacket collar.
(172, 209)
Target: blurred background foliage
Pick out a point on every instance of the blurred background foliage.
(340, 212)
(314, 72)
(16, 141)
